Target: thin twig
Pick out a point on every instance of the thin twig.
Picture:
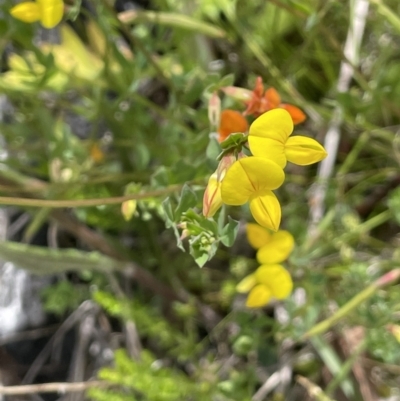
(66, 203)
(51, 388)
(97, 241)
(281, 378)
(78, 363)
(28, 335)
(70, 322)
(314, 391)
(351, 51)
(389, 278)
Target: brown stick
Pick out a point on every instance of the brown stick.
(51, 388)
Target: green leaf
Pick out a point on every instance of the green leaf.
(332, 362)
(394, 204)
(174, 20)
(187, 201)
(142, 156)
(183, 172)
(160, 178)
(202, 253)
(40, 260)
(210, 89)
(229, 232)
(227, 80)
(212, 151)
(73, 11)
(169, 213)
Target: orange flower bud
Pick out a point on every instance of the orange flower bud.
(240, 94)
(261, 102)
(231, 121)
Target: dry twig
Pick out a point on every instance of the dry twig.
(50, 388)
(351, 52)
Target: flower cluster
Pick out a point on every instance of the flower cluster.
(256, 102)
(48, 12)
(240, 179)
(271, 279)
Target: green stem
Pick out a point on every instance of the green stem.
(362, 140)
(361, 297)
(174, 20)
(387, 13)
(56, 204)
(314, 391)
(368, 225)
(345, 368)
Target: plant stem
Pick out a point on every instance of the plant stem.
(326, 324)
(56, 204)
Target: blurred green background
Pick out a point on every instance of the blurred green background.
(119, 107)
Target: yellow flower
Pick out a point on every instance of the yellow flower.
(128, 209)
(212, 200)
(267, 282)
(253, 179)
(48, 12)
(272, 247)
(269, 137)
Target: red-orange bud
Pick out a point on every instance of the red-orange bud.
(240, 94)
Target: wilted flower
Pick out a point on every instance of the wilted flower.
(272, 247)
(269, 137)
(252, 179)
(266, 283)
(48, 12)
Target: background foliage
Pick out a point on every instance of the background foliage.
(120, 109)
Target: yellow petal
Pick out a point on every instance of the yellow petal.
(303, 150)
(268, 135)
(276, 278)
(73, 58)
(269, 149)
(128, 209)
(257, 236)
(277, 249)
(212, 197)
(259, 296)
(250, 176)
(395, 330)
(266, 211)
(26, 12)
(51, 12)
(27, 65)
(246, 284)
(275, 124)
